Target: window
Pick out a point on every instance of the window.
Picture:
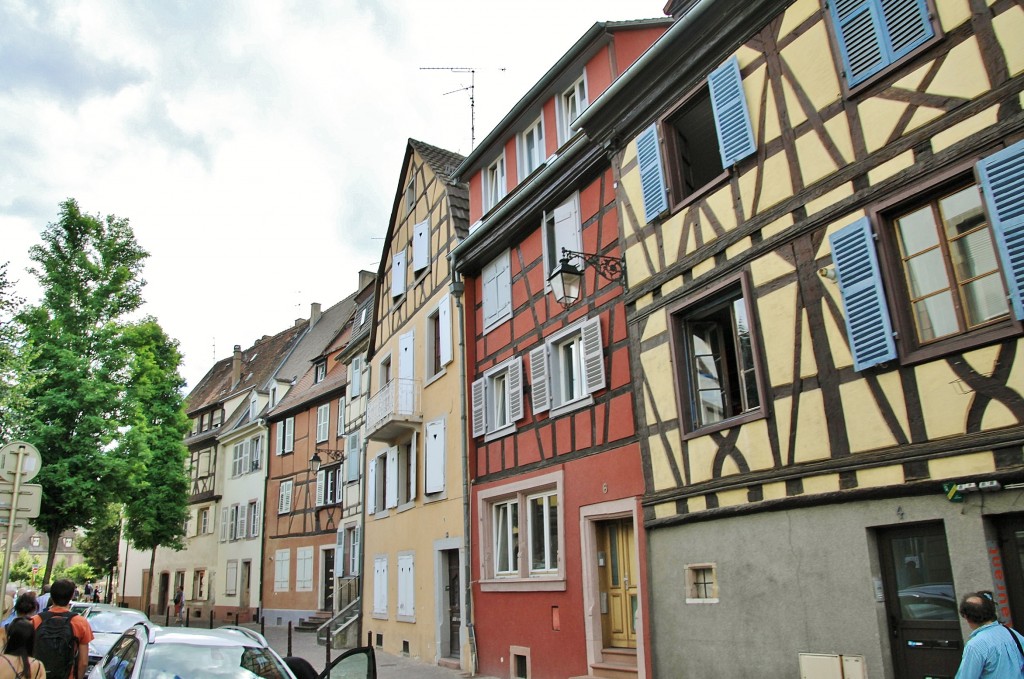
(204, 521)
(434, 454)
(319, 372)
(439, 337)
(286, 435)
(568, 368)
(273, 396)
(376, 480)
(410, 195)
(282, 563)
(498, 399)
(561, 230)
(255, 453)
(531, 149)
(284, 501)
(953, 256)
(398, 274)
(67, 542)
(402, 479)
(329, 485)
(240, 515)
(701, 584)
(255, 518)
(254, 408)
(323, 422)
(198, 584)
(229, 515)
(496, 281)
(715, 342)
(524, 541)
(231, 578)
(872, 34)
(421, 245)
(406, 588)
(571, 104)
(494, 183)
(304, 569)
(35, 540)
(380, 586)
(715, 111)
(353, 551)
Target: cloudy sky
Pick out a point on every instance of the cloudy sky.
(254, 146)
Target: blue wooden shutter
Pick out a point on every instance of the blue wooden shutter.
(907, 26)
(874, 33)
(868, 327)
(652, 177)
(1002, 182)
(732, 120)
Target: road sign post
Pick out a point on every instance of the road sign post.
(19, 461)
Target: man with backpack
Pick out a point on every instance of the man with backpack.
(62, 637)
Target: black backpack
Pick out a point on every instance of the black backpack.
(56, 645)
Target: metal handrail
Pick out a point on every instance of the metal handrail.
(321, 634)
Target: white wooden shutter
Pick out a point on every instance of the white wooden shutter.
(406, 586)
(515, 389)
(356, 378)
(224, 521)
(391, 482)
(240, 530)
(434, 457)
(421, 245)
(371, 486)
(539, 379)
(413, 445)
(257, 520)
(352, 456)
(444, 323)
(320, 483)
(593, 355)
(280, 437)
(398, 274)
(380, 585)
(479, 407)
(289, 434)
(567, 229)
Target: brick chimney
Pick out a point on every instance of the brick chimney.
(314, 313)
(236, 365)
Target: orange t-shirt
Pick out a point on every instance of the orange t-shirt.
(79, 627)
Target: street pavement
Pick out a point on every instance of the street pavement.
(388, 666)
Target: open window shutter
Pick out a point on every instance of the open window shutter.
(489, 283)
(257, 520)
(652, 176)
(1002, 182)
(567, 229)
(503, 285)
(433, 450)
(289, 434)
(858, 27)
(907, 25)
(356, 379)
(732, 120)
(352, 456)
(242, 509)
(371, 486)
(413, 445)
(868, 326)
(246, 452)
(280, 437)
(593, 355)
(479, 407)
(321, 479)
(539, 379)
(444, 322)
(515, 389)
(391, 482)
(420, 243)
(398, 274)
(224, 520)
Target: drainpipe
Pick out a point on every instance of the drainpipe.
(362, 522)
(457, 289)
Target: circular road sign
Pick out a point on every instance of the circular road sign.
(30, 461)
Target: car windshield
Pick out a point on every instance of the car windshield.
(113, 621)
(166, 661)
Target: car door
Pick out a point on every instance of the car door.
(357, 663)
(120, 661)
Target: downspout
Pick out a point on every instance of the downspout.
(457, 289)
(362, 515)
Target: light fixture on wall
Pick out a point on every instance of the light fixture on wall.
(316, 460)
(567, 279)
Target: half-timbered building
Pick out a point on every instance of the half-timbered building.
(558, 560)
(414, 533)
(822, 209)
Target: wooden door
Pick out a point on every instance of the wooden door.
(617, 566)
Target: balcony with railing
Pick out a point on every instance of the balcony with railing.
(394, 410)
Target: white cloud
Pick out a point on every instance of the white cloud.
(255, 147)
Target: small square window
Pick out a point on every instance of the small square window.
(701, 584)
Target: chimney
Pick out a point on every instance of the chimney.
(366, 278)
(236, 365)
(314, 313)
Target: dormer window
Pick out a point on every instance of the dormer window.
(319, 372)
(494, 183)
(362, 316)
(571, 104)
(531, 149)
(254, 407)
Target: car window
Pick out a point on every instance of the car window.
(113, 621)
(358, 663)
(121, 660)
(165, 661)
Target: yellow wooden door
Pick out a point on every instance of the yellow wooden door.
(617, 566)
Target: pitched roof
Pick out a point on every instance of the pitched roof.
(444, 163)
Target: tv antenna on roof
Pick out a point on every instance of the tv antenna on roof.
(472, 94)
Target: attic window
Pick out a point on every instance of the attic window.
(362, 316)
(320, 372)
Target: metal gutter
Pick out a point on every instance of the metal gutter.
(631, 73)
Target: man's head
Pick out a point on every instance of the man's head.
(61, 591)
(977, 608)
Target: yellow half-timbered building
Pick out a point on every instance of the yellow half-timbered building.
(822, 209)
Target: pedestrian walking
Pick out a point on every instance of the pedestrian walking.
(20, 644)
(993, 651)
(179, 604)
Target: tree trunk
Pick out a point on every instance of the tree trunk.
(51, 554)
(148, 589)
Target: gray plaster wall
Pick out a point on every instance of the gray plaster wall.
(799, 580)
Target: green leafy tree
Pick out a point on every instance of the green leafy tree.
(100, 542)
(80, 573)
(90, 272)
(15, 359)
(21, 567)
(157, 505)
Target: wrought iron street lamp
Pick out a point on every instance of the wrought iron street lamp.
(316, 460)
(567, 279)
